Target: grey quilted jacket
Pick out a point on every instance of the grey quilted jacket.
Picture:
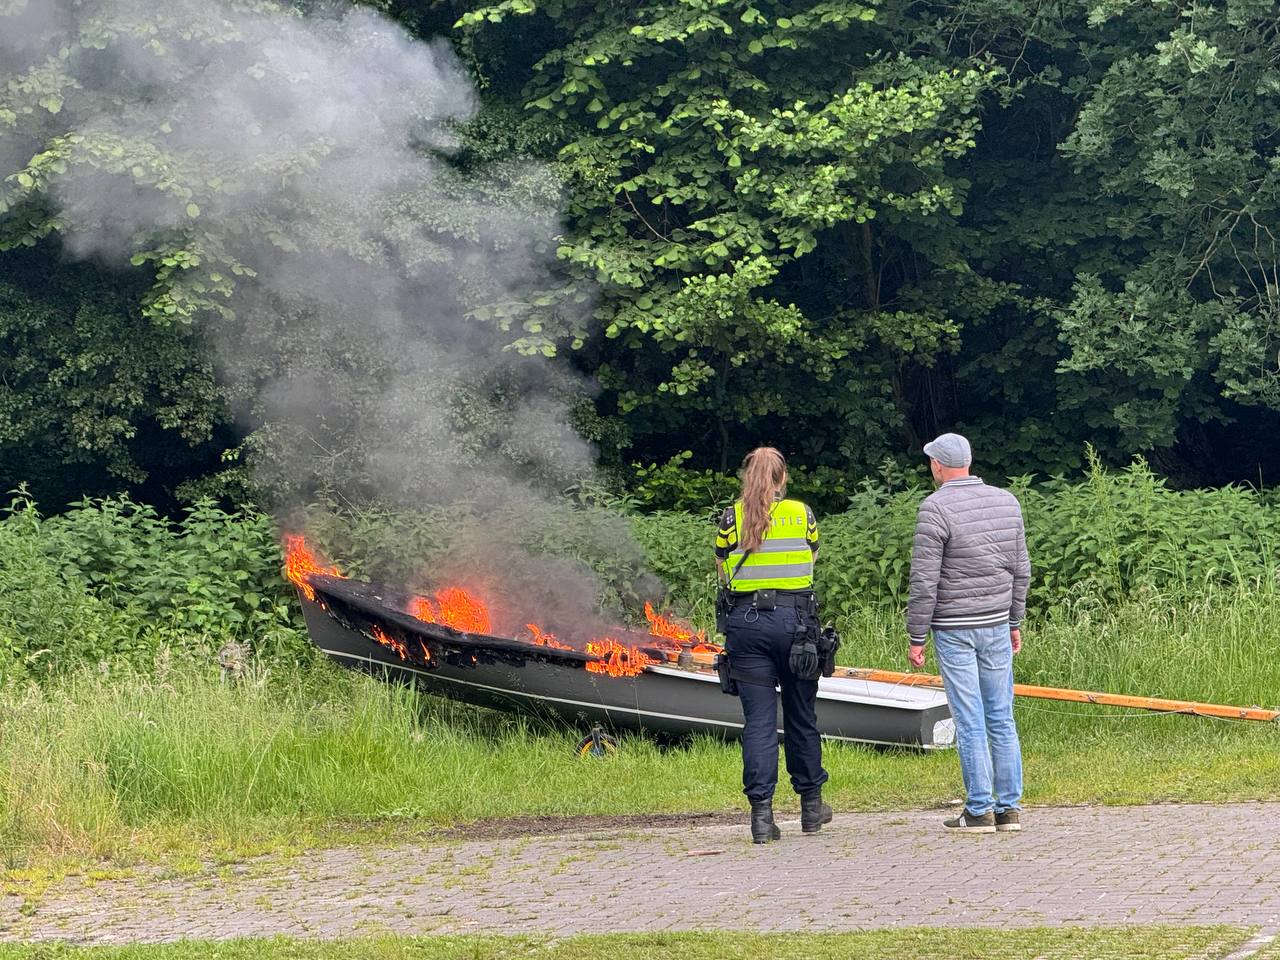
(969, 565)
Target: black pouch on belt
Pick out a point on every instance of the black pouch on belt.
(828, 644)
(728, 685)
(803, 661)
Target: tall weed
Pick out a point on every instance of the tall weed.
(110, 579)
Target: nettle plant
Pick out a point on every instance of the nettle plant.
(111, 578)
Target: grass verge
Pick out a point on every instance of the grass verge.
(175, 766)
(184, 768)
(1270, 950)
(1046, 943)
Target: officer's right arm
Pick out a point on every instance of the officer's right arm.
(726, 540)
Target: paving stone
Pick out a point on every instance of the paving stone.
(1185, 864)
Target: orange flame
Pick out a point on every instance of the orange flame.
(453, 607)
(391, 643)
(545, 639)
(617, 659)
(670, 628)
(660, 626)
(300, 563)
(422, 609)
(462, 610)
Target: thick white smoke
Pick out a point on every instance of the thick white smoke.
(297, 179)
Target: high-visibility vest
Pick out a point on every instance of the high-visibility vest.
(784, 559)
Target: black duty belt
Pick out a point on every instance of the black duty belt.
(799, 598)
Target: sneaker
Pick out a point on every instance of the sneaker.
(1008, 821)
(968, 823)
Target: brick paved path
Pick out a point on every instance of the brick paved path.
(1180, 864)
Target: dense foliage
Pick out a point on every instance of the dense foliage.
(836, 226)
(110, 580)
(1113, 538)
(846, 227)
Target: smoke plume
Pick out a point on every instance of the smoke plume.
(299, 187)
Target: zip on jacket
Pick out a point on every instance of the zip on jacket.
(969, 564)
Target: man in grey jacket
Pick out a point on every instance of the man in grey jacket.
(969, 577)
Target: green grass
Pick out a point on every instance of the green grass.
(175, 765)
(1114, 943)
(1270, 951)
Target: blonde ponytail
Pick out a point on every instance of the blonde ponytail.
(764, 473)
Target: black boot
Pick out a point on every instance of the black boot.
(813, 812)
(763, 829)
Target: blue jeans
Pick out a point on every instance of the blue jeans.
(977, 673)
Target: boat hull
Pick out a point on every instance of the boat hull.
(661, 700)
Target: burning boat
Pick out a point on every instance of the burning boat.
(658, 682)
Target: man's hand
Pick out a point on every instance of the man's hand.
(1015, 637)
(915, 655)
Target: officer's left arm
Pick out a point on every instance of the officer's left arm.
(1021, 581)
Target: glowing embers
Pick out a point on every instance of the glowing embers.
(300, 564)
(617, 659)
(453, 607)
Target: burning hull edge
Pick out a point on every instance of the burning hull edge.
(662, 699)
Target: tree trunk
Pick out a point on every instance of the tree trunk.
(903, 405)
(870, 281)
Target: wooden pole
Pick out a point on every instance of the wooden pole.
(1189, 707)
(1077, 696)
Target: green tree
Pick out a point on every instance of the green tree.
(1088, 264)
(1179, 134)
(718, 149)
(86, 382)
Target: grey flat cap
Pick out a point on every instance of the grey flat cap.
(950, 450)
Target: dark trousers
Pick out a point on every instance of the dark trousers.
(759, 645)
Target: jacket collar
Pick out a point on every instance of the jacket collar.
(962, 481)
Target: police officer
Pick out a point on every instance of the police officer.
(765, 550)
